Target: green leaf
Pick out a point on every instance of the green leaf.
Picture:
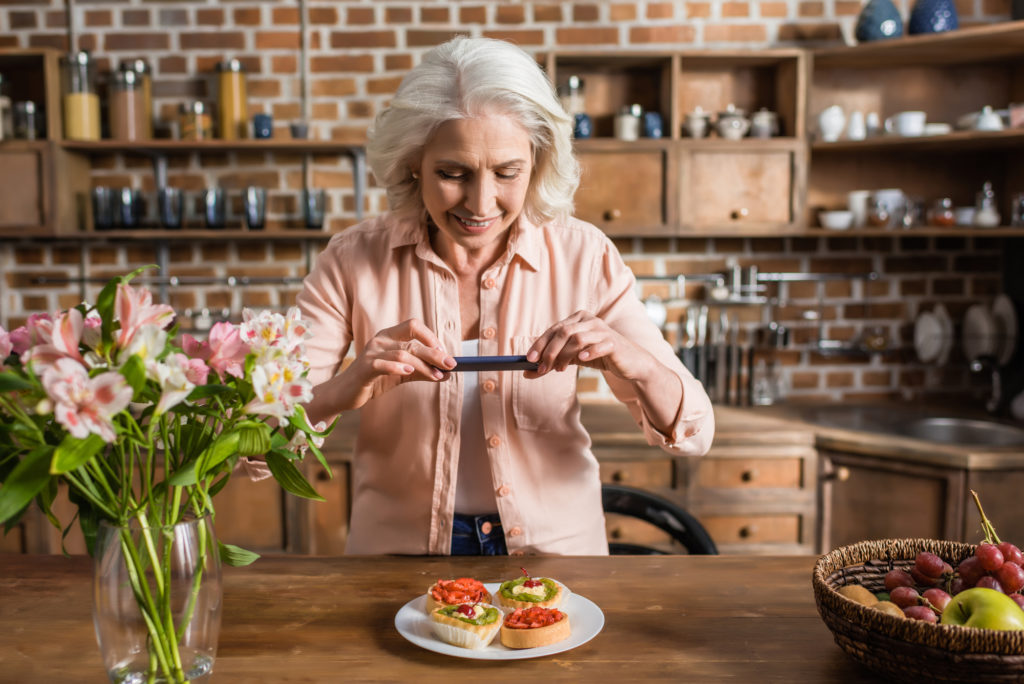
(224, 446)
(300, 420)
(134, 372)
(185, 476)
(26, 480)
(235, 556)
(203, 391)
(9, 382)
(289, 477)
(105, 308)
(253, 438)
(74, 452)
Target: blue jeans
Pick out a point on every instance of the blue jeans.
(469, 538)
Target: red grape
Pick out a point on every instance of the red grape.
(938, 598)
(1011, 576)
(1019, 599)
(924, 580)
(898, 578)
(920, 613)
(970, 570)
(1011, 553)
(989, 582)
(957, 585)
(990, 556)
(947, 569)
(928, 564)
(904, 596)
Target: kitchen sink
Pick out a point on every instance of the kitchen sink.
(916, 422)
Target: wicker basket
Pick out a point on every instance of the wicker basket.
(902, 649)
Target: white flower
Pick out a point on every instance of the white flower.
(82, 404)
(148, 343)
(279, 386)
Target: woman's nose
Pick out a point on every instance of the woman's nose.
(480, 196)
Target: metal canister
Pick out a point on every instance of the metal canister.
(232, 106)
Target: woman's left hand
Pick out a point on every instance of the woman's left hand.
(586, 340)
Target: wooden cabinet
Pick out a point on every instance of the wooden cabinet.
(624, 188)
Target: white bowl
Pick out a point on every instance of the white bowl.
(840, 219)
(964, 216)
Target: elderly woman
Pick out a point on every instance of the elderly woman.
(479, 256)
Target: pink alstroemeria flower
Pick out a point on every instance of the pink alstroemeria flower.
(59, 339)
(36, 331)
(134, 308)
(82, 404)
(224, 350)
(6, 347)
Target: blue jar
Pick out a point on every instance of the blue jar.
(582, 127)
(652, 125)
(933, 16)
(878, 20)
(262, 126)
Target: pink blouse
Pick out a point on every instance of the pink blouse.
(384, 271)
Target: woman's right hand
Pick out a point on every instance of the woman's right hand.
(408, 351)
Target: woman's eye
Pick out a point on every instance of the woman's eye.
(507, 174)
(450, 175)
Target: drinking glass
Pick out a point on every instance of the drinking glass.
(102, 208)
(170, 205)
(254, 201)
(314, 202)
(128, 203)
(214, 207)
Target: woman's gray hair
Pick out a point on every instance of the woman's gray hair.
(462, 78)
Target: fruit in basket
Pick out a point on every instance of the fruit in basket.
(898, 578)
(859, 594)
(984, 608)
(937, 598)
(923, 613)
(889, 608)
(904, 596)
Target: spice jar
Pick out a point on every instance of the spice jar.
(26, 120)
(233, 114)
(144, 78)
(942, 212)
(127, 107)
(195, 121)
(81, 103)
(628, 121)
(6, 119)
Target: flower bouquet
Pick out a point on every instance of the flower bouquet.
(145, 428)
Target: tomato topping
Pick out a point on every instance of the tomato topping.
(462, 590)
(532, 618)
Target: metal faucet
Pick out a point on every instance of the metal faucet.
(988, 363)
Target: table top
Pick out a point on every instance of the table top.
(304, 619)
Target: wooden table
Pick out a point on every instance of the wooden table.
(302, 619)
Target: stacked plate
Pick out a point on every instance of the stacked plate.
(991, 331)
(933, 335)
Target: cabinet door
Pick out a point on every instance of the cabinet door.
(739, 190)
(623, 190)
(22, 202)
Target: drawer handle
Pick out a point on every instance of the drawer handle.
(748, 531)
(840, 474)
(737, 214)
(615, 533)
(749, 475)
(612, 214)
(620, 476)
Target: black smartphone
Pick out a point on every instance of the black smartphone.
(469, 364)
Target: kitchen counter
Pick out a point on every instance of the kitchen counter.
(685, 618)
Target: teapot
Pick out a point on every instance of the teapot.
(732, 124)
(696, 123)
(764, 124)
(988, 120)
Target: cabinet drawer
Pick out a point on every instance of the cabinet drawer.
(651, 474)
(753, 529)
(623, 191)
(22, 184)
(630, 530)
(750, 473)
(735, 189)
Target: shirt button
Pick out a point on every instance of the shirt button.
(488, 333)
(503, 490)
(449, 325)
(489, 385)
(486, 528)
(494, 441)
(489, 284)
(515, 532)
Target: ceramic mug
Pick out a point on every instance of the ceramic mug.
(907, 124)
(831, 123)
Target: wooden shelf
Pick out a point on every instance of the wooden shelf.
(1002, 41)
(155, 147)
(144, 234)
(950, 142)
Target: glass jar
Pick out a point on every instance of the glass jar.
(26, 120)
(986, 215)
(233, 114)
(571, 96)
(144, 77)
(628, 121)
(942, 212)
(194, 121)
(81, 102)
(6, 116)
(127, 107)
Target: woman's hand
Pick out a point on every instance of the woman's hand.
(586, 340)
(408, 351)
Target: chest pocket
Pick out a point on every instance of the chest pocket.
(541, 404)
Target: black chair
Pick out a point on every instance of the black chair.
(659, 512)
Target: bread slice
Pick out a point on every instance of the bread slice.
(532, 637)
(511, 594)
(456, 592)
(459, 632)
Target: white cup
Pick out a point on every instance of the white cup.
(907, 124)
(857, 202)
(856, 127)
(831, 122)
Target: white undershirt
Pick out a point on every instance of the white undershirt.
(474, 488)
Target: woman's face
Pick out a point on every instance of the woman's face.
(474, 175)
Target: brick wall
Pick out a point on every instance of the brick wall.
(357, 52)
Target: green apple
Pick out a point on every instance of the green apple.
(983, 608)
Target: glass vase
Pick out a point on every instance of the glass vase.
(157, 600)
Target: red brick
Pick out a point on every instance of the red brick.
(325, 111)
(173, 65)
(246, 16)
(135, 17)
(735, 9)
(811, 9)
(210, 17)
(136, 41)
(809, 32)
(56, 19)
(335, 63)
(277, 40)
(587, 36)
(419, 38)
(323, 15)
(523, 37)
(402, 62)
(587, 12)
(285, 15)
(510, 14)
(264, 87)
(224, 40)
(22, 20)
(99, 18)
(334, 87)
(348, 135)
(1000, 8)
(845, 8)
(284, 64)
(360, 16)
(371, 39)
(398, 15)
(358, 109)
(434, 15)
(662, 34)
(173, 17)
(383, 86)
(660, 10)
(472, 15)
(622, 12)
(698, 10)
(735, 33)
(550, 12)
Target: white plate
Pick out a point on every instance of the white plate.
(585, 619)
(979, 333)
(1005, 315)
(947, 334)
(927, 336)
